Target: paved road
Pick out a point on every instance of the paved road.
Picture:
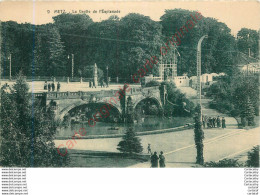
(179, 146)
(227, 145)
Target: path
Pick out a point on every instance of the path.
(191, 94)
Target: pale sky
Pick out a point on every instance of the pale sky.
(234, 13)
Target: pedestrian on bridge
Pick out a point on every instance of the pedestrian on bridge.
(45, 85)
(154, 160)
(53, 86)
(58, 86)
(49, 87)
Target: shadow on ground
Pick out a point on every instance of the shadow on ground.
(101, 159)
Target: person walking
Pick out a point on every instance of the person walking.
(102, 83)
(218, 122)
(49, 87)
(203, 121)
(58, 86)
(214, 122)
(45, 85)
(210, 122)
(53, 86)
(223, 123)
(154, 160)
(161, 160)
(149, 149)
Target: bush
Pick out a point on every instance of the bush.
(224, 163)
(152, 84)
(130, 143)
(253, 157)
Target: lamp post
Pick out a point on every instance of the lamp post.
(10, 66)
(199, 71)
(72, 64)
(107, 76)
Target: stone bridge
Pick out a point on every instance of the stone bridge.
(63, 102)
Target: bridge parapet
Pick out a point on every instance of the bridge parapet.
(141, 90)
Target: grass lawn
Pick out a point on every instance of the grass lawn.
(104, 159)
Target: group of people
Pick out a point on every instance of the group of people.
(102, 84)
(213, 122)
(51, 86)
(155, 159)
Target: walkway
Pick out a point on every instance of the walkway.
(37, 86)
(227, 145)
(191, 94)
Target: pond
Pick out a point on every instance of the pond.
(149, 123)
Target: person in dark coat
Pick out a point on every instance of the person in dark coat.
(223, 123)
(49, 87)
(53, 86)
(45, 85)
(161, 160)
(218, 122)
(214, 122)
(210, 122)
(154, 160)
(58, 86)
(149, 149)
(203, 121)
(102, 83)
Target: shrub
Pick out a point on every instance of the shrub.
(130, 143)
(224, 163)
(253, 157)
(152, 84)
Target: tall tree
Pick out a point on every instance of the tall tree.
(247, 40)
(217, 49)
(27, 130)
(56, 53)
(198, 136)
(74, 32)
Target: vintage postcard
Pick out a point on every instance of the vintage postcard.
(132, 84)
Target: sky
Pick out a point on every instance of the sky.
(236, 14)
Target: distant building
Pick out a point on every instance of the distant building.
(207, 79)
(251, 68)
(182, 81)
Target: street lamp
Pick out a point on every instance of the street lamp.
(199, 71)
(107, 75)
(10, 66)
(72, 64)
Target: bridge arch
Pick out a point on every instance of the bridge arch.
(101, 107)
(152, 99)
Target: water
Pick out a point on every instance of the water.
(148, 123)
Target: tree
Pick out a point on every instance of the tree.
(224, 163)
(217, 49)
(27, 130)
(56, 53)
(130, 143)
(253, 157)
(198, 136)
(248, 112)
(248, 39)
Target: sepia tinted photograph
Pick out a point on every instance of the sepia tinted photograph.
(133, 84)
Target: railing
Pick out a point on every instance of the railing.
(98, 94)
